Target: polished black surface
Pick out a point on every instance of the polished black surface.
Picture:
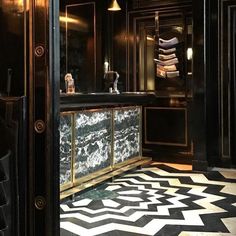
(226, 80)
(13, 162)
(42, 113)
(199, 84)
(212, 85)
(96, 100)
(170, 125)
(142, 4)
(209, 116)
(12, 58)
(78, 44)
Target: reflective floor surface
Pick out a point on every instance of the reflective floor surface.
(161, 199)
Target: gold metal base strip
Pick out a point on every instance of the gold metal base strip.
(126, 162)
(92, 175)
(66, 186)
(142, 161)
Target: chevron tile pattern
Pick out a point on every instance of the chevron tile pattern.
(157, 200)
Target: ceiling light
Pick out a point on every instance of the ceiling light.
(114, 6)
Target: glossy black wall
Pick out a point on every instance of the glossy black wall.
(13, 166)
(199, 87)
(219, 77)
(212, 84)
(226, 80)
(12, 49)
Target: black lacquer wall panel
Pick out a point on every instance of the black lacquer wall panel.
(12, 48)
(13, 161)
(170, 125)
(212, 84)
(153, 3)
(226, 79)
(81, 43)
(199, 82)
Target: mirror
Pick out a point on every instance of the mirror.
(78, 45)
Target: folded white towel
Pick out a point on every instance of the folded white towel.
(167, 68)
(166, 57)
(167, 51)
(168, 62)
(168, 43)
(172, 74)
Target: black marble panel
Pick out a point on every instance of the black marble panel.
(92, 141)
(126, 134)
(65, 129)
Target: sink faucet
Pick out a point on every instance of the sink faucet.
(111, 81)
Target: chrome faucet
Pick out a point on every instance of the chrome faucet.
(111, 81)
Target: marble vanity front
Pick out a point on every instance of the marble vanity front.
(96, 141)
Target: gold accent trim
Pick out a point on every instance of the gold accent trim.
(126, 162)
(69, 184)
(99, 179)
(140, 131)
(92, 175)
(112, 138)
(167, 143)
(65, 186)
(73, 126)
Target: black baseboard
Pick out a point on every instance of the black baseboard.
(200, 165)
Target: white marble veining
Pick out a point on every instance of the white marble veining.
(65, 148)
(126, 134)
(92, 142)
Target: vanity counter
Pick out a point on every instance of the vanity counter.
(95, 100)
(100, 137)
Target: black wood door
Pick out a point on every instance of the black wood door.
(43, 117)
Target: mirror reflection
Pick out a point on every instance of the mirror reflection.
(77, 42)
(165, 53)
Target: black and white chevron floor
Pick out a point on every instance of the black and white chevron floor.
(157, 200)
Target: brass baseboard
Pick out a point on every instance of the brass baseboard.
(69, 192)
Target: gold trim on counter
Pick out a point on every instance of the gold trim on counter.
(113, 169)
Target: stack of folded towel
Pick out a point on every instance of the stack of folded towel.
(166, 64)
